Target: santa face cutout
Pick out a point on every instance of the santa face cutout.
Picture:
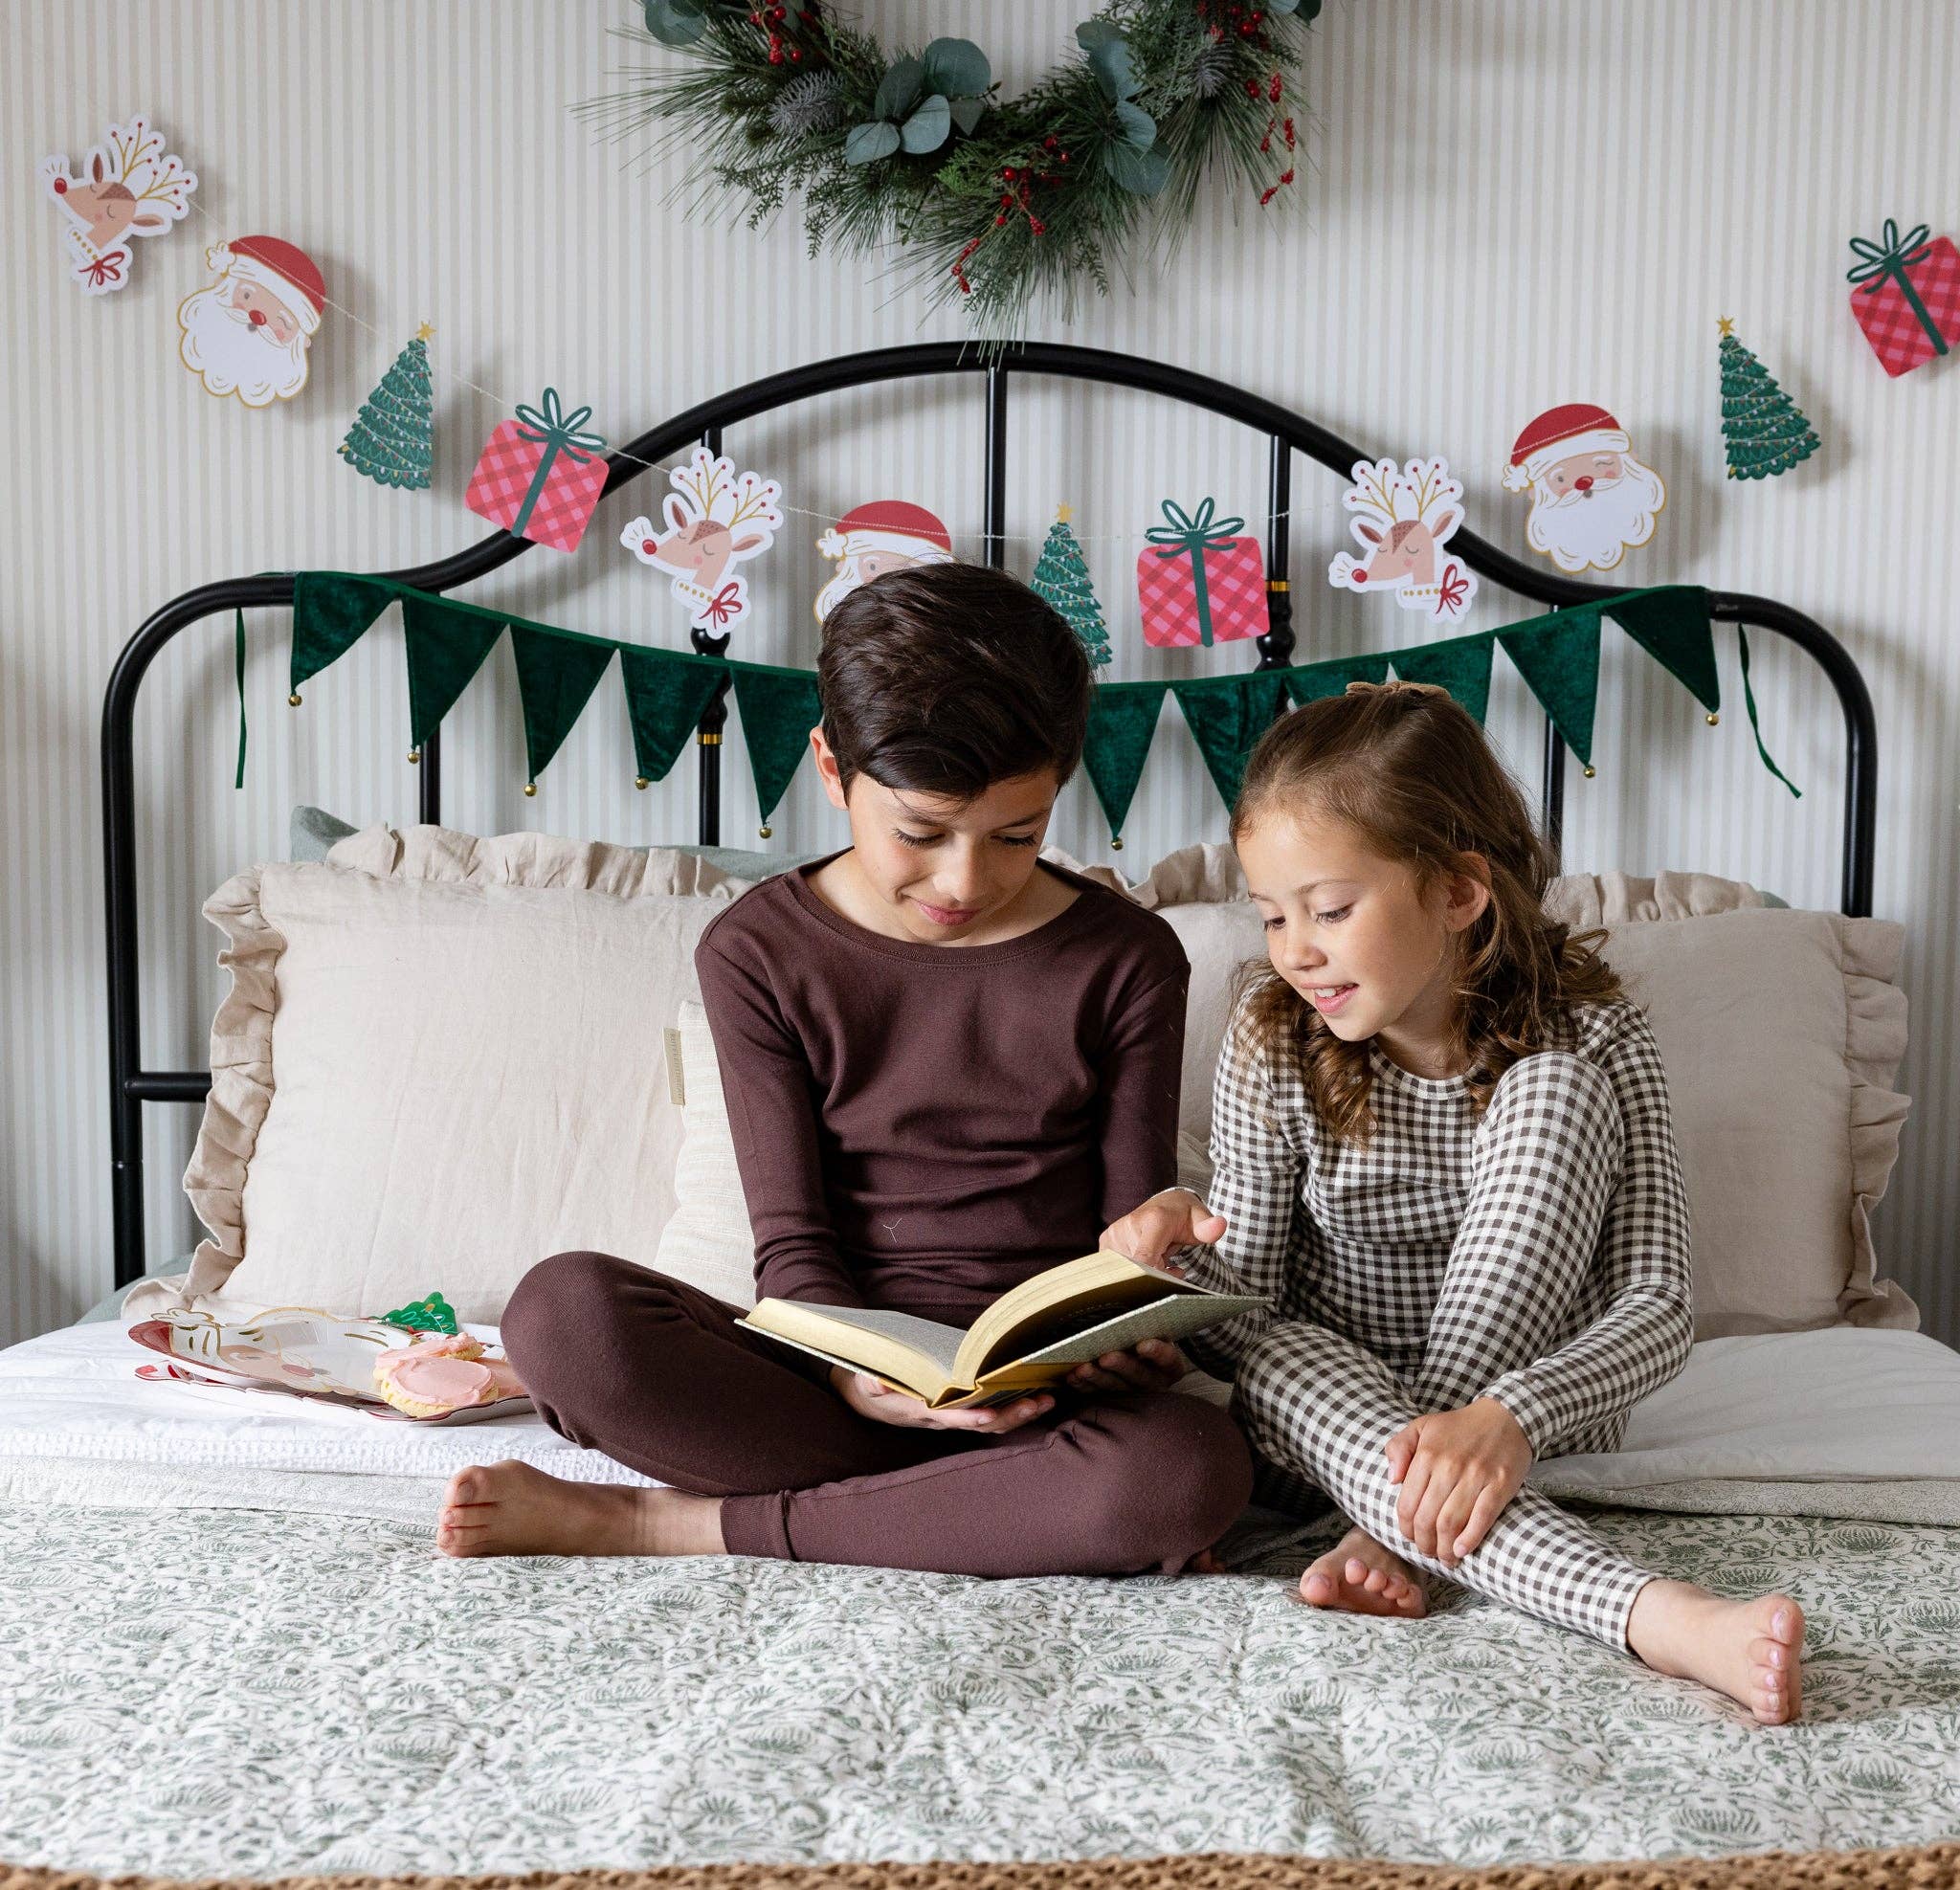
(1591, 500)
(248, 334)
(886, 535)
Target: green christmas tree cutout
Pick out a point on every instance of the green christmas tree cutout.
(1062, 579)
(1764, 431)
(392, 439)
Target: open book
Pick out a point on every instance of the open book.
(1030, 1337)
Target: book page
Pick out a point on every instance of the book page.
(941, 1343)
(1170, 1317)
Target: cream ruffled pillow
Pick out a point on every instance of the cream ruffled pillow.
(1781, 1033)
(441, 1060)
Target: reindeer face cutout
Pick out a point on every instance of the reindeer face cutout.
(129, 187)
(1403, 519)
(715, 518)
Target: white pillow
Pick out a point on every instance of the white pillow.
(707, 1242)
(1781, 1033)
(441, 1060)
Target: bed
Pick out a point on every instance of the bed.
(229, 1648)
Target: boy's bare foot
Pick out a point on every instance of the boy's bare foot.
(1752, 1650)
(512, 1509)
(1361, 1577)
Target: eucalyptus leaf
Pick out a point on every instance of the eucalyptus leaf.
(1092, 33)
(866, 144)
(898, 91)
(675, 22)
(957, 68)
(968, 113)
(929, 127)
(1142, 172)
(1139, 128)
(1115, 70)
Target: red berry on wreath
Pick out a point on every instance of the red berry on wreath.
(1251, 88)
(999, 220)
(796, 52)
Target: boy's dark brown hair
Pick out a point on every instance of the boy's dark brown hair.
(947, 678)
(1413, 775)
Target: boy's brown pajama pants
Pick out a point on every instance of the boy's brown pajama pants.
(659, 1377)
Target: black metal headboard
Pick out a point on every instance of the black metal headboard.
(131, 1086)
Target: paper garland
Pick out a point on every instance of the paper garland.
(558, 671)
(249, 332)
(129, 187)
(716, 517)
(1907, 296)
(1403, 519)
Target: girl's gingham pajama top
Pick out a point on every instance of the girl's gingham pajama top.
(1538, 1256)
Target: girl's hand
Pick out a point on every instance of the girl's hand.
(1174, 1218)
(1154, 1365)
(1458, 1469)
(873, 1398)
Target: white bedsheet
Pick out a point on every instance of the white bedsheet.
(74, 1395)
(1843, 1422)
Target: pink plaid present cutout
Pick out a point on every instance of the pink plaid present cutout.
(538, 476)
(1908, 301)
(1198, 584)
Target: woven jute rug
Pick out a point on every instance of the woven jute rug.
(1935, 1867)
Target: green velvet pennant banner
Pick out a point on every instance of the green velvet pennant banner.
(1123, 724)
(1462, 666)
(1308, 682)
(778, 710)
(330, 614)
(1558, 656)
(1227, 715)
(556, 676)
(665, 695)
(446, 648)
(1672, 626)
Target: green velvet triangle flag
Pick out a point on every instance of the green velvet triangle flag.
(1227, 715)
(555, 680)
(1123, 724)
(1558, 656)
(665, 695)
(1672, 626)
(778, 709)
(1308, 682)
(446, 648)
(331, 614)
(1462, 666)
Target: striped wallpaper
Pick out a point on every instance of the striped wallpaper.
(1506, 205)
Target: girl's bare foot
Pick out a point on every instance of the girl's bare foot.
(1361, 1577)
(1752, 1650)
(512, 1509)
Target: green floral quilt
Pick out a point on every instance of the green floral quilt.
(245, 1693)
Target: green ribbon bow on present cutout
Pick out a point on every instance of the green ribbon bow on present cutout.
(1195, 534)
(556, 432)
(1890, 257)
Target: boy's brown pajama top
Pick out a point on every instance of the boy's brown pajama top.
(917, 1127)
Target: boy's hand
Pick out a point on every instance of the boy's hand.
(1458, 1469)
(873, 1398)
(1154, 1365)
(1175, 1218)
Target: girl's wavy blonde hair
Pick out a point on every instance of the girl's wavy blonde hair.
(1412, 772)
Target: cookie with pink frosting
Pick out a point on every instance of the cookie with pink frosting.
(442, 1373)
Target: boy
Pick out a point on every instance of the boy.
(948, 1067)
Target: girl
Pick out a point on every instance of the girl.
(1443, 1153)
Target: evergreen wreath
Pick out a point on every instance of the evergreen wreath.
(993, 201)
